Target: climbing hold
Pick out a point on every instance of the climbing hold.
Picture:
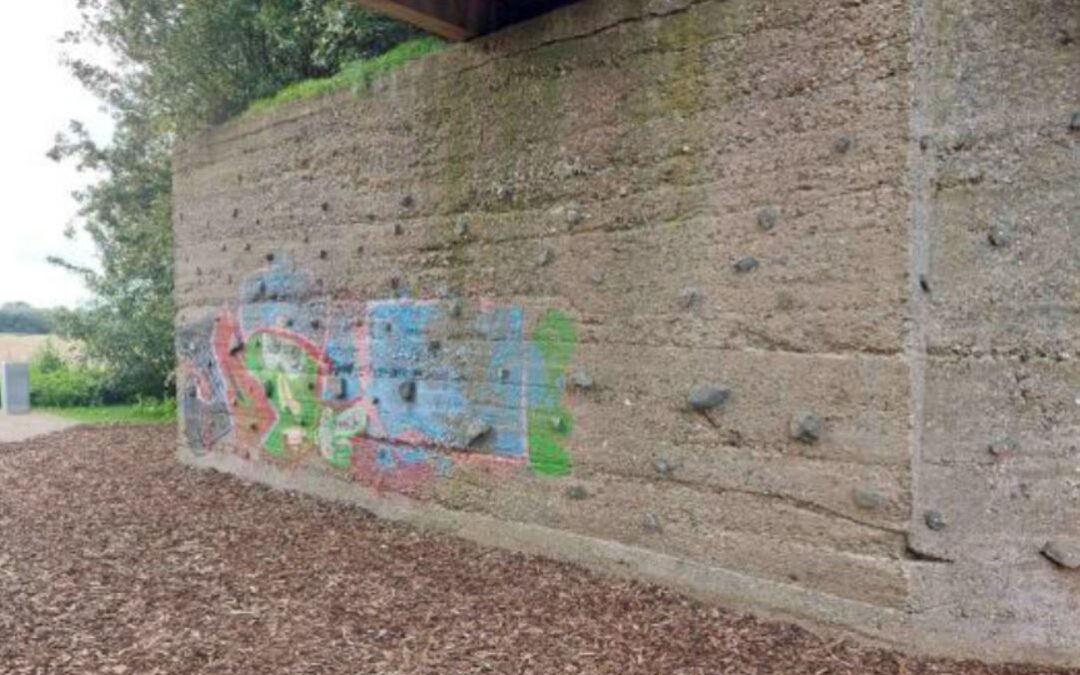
(407, 391)
(547, 256)
(999, 236)
(504, 374)
(935, 521)
(747, 264)
(270, 257)
(924, 283)
(706, 397)
(663, 467)
(843, 144)
(236, 345)
(398, 230)
(558, 424)
(1064, 553)
(768, 218)
(1003, 447)
(652, 523)
(577, 492)
(475, 432)
(869, 499)
(1074, 123)
(326, 206)
(574, 217)
(456, 309)
(461, 228)
(408, 201)
(690, 297)
(582, 380)
(323, 255)
(805, 427)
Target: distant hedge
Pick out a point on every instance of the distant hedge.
(21, 318)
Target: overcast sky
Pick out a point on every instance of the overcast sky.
(35, 192)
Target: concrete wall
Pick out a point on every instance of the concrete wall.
(488, 295)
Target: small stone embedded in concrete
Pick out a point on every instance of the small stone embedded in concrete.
(582, 380)
(324, 254)
(1074, 123)
(398, 229)
(546, 257)
(768, 218)
(935, 521)
(805, 427)
(1003, 447)
(707, 397)
(326, 206)
(1064, 553)
(747, 264)
(869, 499)
(577, 492)
(408, 201)
(690, 297)
(407, 391)
(651, 523)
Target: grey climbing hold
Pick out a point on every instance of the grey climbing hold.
(324, 254)
(577, 492)
(999, 236)
(1074, 123)
(651, 523)
(869, 499)
(747, 264)
(504, 193)
(664, 467)
(582, 380)
(805, 427)
(924, 283)
(1003, 447)
(706, 397)
(690, 297)
(337, 388)
(475, 432)
(236, 345)
(1063, 552)
(843, 144)
(408, 201)
(574, 217)
(546, 257)
(768, 218)
(398, 229)
(935, 521)
(504, 374)
(407, 391)
(461, 228)
(597, 276)
(456, 309)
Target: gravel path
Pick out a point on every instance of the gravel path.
(113, 559)
(14, 428)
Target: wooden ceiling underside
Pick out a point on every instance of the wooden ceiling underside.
(462, 19)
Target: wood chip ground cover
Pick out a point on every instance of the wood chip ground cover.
(114, 559)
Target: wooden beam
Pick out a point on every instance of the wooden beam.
(462, 19)
(418, 16)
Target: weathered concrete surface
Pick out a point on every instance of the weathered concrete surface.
(14, 429)
(493, 296)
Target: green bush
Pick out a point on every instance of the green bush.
(56, 382)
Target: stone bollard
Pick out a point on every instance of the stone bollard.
(15, 381)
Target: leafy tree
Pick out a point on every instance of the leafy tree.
(180, 66)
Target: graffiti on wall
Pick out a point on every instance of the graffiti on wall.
(393, 393)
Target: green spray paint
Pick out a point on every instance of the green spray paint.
(549, 421)
(288, 388)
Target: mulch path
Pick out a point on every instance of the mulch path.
(114, 559)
